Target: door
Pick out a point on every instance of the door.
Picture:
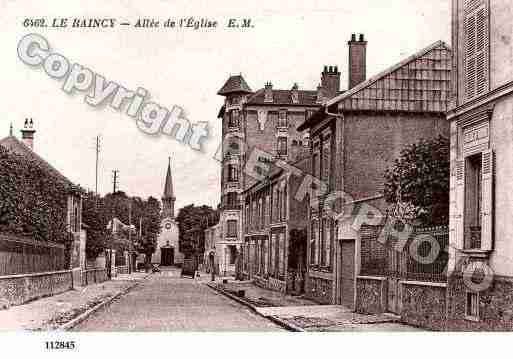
(347, 273)
(393, 290)
(167, 257)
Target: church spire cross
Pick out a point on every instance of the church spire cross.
(11, 133)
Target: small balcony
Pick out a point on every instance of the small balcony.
(472, 238)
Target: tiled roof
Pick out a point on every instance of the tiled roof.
(13, 144)
(419, 83)
(235, 83)
(284, 97)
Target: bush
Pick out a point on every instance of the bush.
(33, 199)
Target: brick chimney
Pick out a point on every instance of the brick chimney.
(320, 95)
(27, 134)
(330, 81)
(294, 93)
(357, 60)
(268, 92)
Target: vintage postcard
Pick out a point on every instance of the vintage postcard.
(255, 167)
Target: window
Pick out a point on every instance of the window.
(316, 165)
(231, 199)
(233, 147)
(476, 49)
(272, 117)
(247, 219)
(232, 254)
(326, 161)
(233, 120)
(327, 236)
(472, 306)
(323, 243)
(282, 118)
(282, 146)
(267, 210)
(231, 228)
(314, 243)
(233, 173)
(284, 204)
(473, 202)
(281, 256)
(272, 254)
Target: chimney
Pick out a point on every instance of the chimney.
(357, 60)
(294, 93)
(320, 95)
(268, 92)
(330, 81)
(27, 134)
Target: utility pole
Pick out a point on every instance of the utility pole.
(115, 181)
(130, 235)
(97, 150)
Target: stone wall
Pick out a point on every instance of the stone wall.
(371, 295)
(424, 304)
(495, 306)
(319, 290)
(19, 289)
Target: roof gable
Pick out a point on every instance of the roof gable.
(234, 84)
(14, 145)
(420, 83)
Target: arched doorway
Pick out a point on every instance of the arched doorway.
(167, 256)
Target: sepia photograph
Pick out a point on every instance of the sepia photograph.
(236, 172)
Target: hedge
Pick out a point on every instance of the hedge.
(33, 199)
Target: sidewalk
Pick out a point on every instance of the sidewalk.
(52, 312)
(302, 315)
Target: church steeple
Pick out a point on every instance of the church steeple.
(168, 198)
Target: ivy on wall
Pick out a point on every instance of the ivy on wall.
(33, 199)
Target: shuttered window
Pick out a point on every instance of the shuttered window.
(476, 49)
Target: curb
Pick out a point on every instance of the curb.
(79, 319)
(254, 309)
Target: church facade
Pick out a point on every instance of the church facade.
(167, 252)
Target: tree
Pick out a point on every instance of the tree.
(192, 222)
(417, 185)
(99, 211)
(96, 219)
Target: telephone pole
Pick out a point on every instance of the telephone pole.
(97, 150)
(115, 181)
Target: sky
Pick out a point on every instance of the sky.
(290, 41)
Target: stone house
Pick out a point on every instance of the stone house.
(481, 199)
(354, 138)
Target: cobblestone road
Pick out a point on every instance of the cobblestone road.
(166, 302)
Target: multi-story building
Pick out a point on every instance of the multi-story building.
(354, 138)
(481, 167)
(261, 127)
(213, 251)
(274, 227)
